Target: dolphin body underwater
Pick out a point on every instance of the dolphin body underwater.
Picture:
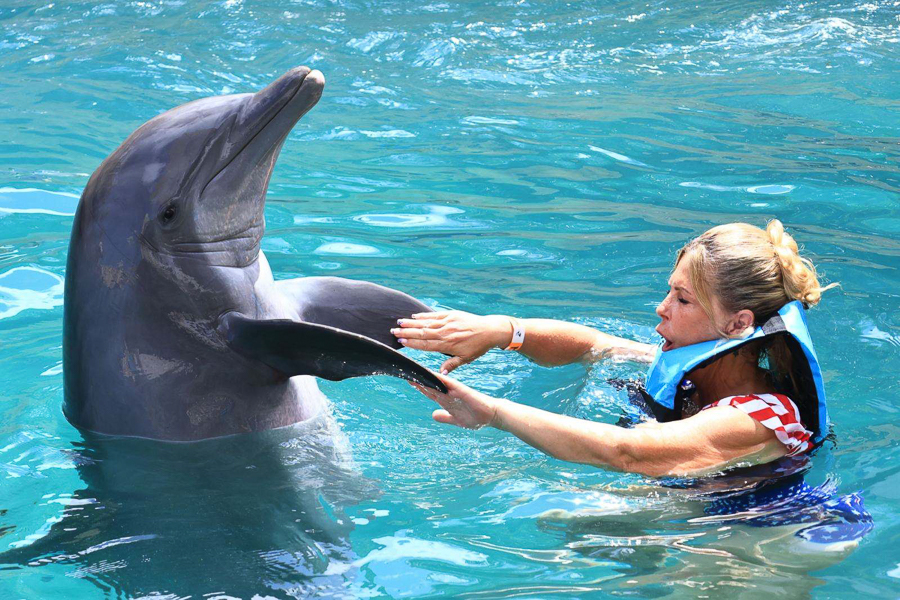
(174, 327)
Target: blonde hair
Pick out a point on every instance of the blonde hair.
(745, 267)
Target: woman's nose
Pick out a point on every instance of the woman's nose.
(662, 306)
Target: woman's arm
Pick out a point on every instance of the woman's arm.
(465, 337)
(710, 441)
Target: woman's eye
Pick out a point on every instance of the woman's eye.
(683, 301)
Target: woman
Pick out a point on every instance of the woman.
(736, 378)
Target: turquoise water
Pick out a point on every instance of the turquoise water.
(541, 159)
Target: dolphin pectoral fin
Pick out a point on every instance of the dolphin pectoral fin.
(299, 348)
(357, 306)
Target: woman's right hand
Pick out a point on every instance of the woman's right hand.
(461, 405)
(461, 335)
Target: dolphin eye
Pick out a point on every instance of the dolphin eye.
(169, 213)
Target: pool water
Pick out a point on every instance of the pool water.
(539, 159)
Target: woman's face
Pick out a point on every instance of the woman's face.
(684, 322)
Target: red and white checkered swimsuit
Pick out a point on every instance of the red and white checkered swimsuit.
(776, 412)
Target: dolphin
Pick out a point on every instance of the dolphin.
(174, 327)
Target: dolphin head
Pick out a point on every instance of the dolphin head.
(165, 240)
(190, 184)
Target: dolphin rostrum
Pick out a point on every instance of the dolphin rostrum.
(174, 327)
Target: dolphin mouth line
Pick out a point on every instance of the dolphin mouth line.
(253, 233)
(261, 130)
(251, 237)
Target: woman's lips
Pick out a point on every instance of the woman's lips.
(667, 345)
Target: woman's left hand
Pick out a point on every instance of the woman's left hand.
(461, 405)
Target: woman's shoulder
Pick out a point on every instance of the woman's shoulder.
(776, 412)
(775, 403)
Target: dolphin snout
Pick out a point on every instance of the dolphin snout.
(304, 75)
(268, 115)
(290, 82)
(288, 97)
(310, 89)
(315, 78)
(298, 81)
(255, 137)
(298, 73)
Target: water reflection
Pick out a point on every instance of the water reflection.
(26, 288)
(244, 515)
(663, 540)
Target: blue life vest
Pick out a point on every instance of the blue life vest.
(666, 387)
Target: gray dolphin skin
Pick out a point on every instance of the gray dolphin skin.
(174, 327)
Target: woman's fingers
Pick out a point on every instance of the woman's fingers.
(451, 383)
(461, 406)
(427, 345)
(416, 333)
(433, 394)
(411, 330)
(431, 320)
(452, 363)
(455, 333)
(443, 400)
(442, 416)
(427, 391)
(431, 315)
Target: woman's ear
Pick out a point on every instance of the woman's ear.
(740, 322)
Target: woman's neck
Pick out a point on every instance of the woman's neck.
(734, 374)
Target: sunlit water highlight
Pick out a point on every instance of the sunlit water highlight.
(539, 159)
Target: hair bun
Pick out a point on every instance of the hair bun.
(797, 273)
